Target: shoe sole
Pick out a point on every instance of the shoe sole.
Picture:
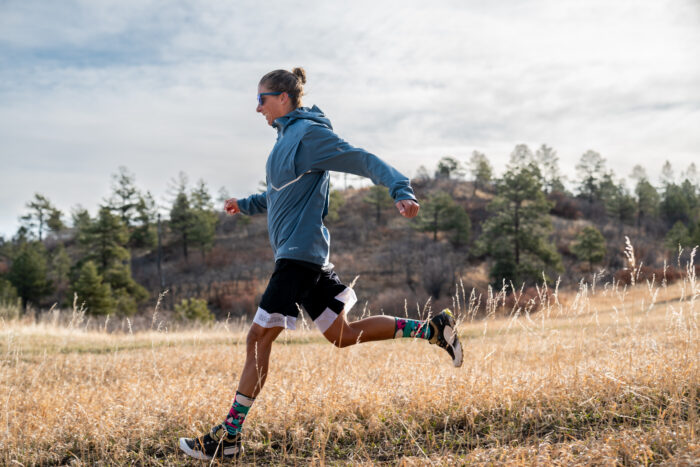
(192, 453)
(201, 456)
(450, 335)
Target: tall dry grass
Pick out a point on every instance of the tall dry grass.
(607, 375)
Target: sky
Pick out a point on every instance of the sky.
(163, 87)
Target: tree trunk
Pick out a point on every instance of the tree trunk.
(516, 220)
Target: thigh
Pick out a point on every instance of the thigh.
(327, 299)
(288, 284)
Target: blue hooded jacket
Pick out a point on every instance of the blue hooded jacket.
(298, 185)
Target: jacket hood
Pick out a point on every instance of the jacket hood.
(302, 113)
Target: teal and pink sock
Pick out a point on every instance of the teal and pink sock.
(236, 416)
(412, 328)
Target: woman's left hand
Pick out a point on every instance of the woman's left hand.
(408, 208)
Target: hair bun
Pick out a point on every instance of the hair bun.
(300, 74)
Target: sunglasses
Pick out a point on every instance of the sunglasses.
(261, 101)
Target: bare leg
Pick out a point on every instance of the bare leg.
(375, 328)
(258, 347)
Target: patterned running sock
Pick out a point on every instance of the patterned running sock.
(412, 328)
(236, 416)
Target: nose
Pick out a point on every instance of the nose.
(258, 108)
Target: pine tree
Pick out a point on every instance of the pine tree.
(460, 228)
(620, 205)
(143, 233)
(181, 220)
(125, 291)
(678, 236)
(28, 273)
(667, 176)
(434, 215)
(548, 163)
(60, 268)
(204, 219)
(335, 204)
(591, 168)
(677, 203)
(481, 170)
(93, 292)
(104, 240)
(449, 167)
(589, 246)
(379, 198)
(516, 235)
(647, 201)
(521, 157)
(41, 213)
(125, 196)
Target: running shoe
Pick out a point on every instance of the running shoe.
(217, 443)
(444, 334)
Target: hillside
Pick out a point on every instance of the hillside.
(396, 265)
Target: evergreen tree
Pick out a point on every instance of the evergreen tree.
(55, 221)
(591, 168)
(124, 290)
(422, 174)
(379, 198)
(8, 293)
(143, 233)
(223, 196)
(481, 170)
(667, 176)
(589, 246)
(104, 240)
(449, 167)
(516, 235)
(677, 203)
(435, 214)
(93, 292)
(81, 218)
(548, 162)
(59, 271)
(204, 219)
(181, 220)
(125, 196)
(335, 204)
(692, 175)
(28, 273)
(41, 212)
(620, 205)
(638, 174)
(678, 236)
(521, 157)
(647, 201)
(461, 226)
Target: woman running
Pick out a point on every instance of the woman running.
(296, 202)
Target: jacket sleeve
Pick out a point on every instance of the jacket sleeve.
(253, 204)
(322, 149)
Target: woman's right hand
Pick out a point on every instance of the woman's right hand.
(231, 206)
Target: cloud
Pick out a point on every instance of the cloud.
(168, 86)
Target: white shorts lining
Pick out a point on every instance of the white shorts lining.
(274, 320)
(328, 317)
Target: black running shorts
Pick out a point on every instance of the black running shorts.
(317, 289)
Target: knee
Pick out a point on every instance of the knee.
(258, 337)
(344, 341)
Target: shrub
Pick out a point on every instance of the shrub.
(193, 309)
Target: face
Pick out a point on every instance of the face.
(273, 107)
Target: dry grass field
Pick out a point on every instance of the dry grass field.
(606, 376)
